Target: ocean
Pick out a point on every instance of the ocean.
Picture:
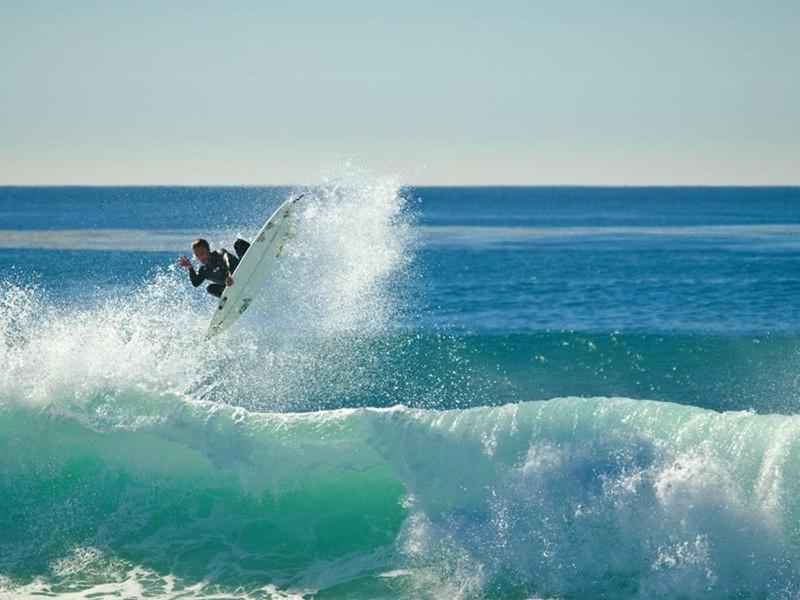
(490, 392)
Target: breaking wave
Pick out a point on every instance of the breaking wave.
(566, 497)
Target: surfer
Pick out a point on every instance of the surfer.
(217, 266)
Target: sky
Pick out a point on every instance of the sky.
(636, 92)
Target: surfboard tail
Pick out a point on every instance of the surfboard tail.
(212, 331)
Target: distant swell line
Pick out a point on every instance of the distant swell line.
(98, 239)
(634, 230)
(174, 240)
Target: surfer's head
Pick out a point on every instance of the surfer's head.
(201, 250)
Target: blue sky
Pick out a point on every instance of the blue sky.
(568, 92)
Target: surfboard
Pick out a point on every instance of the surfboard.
(253, 270)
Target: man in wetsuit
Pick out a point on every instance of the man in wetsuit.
(217, 266)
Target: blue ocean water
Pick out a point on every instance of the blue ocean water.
(441, 392)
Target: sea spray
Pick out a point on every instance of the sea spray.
(350, 252)
(308, 337)
(336, 295)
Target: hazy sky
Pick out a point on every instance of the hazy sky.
(448, 92)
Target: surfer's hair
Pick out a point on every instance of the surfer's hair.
(200, 243)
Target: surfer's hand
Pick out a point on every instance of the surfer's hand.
(229, 281)
(184, 262)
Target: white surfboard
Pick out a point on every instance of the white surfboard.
(253, 269)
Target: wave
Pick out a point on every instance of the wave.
(569, 497)
(134, 458)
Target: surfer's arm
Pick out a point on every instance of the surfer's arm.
(231, 261)
(197, 278)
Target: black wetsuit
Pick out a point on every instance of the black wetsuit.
(221, 264)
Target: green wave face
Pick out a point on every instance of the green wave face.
(237, 502)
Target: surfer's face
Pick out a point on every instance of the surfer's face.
(202, 254)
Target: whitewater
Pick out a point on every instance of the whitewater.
(333, 444)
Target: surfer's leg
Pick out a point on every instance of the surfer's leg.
(216, 289)
(240, 246)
